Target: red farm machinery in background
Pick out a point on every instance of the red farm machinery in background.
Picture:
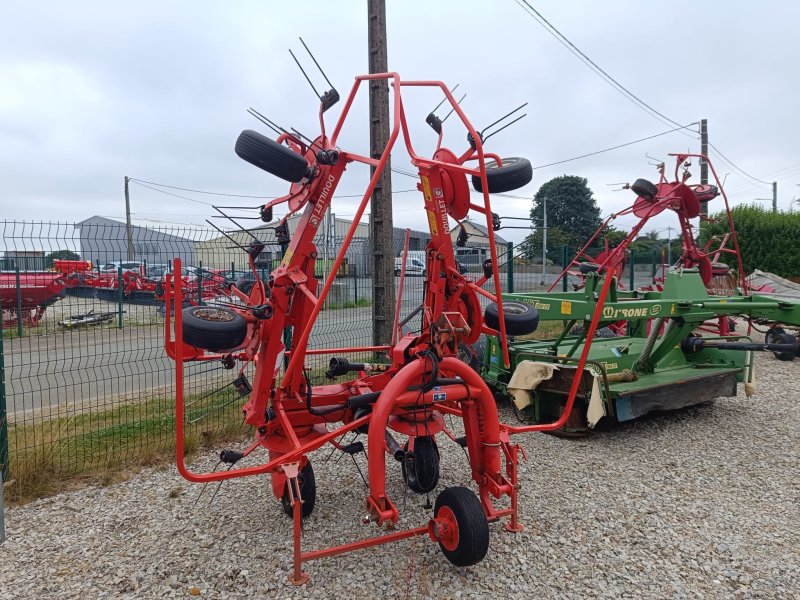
(685, 201)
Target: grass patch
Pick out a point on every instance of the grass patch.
(107, 446)
(361, 302)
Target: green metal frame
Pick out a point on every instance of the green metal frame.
(684, 303)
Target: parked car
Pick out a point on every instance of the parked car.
(128, 266)
(157, 271)
(416, 266)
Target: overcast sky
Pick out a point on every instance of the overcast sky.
(93, 91)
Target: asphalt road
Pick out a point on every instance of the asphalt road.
(98, 367)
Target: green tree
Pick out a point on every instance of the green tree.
(60, 255)
(614, 236)
(571, 208)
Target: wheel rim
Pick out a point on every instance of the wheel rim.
(447, 529)
(514, 308)
(214, 315)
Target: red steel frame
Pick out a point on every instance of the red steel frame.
(295, 430)
(669, 197)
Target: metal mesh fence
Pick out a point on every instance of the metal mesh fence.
(87, 380)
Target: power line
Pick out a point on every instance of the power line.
(561, 38)
(174, 187)
(616, 147)
(138, 182)
(732, 164)
(142, 183)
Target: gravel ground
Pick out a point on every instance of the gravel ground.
(701, 502)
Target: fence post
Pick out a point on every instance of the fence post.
(233, 272)
(510, 266)
(287, 331)
(19, 303)
(654, 268)
(200, 283)
(120, 297)
(564, 259)
(632, 267)
(355, 285)
(3, 429)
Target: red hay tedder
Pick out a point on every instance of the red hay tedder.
(423, 379)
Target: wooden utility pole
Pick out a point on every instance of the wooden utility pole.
(128, 228)
(381, 206)
(703, 162)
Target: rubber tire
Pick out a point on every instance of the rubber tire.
(769, 336)
(423, 476)
(523, 319)
(308, 491)
(271, 156)
(588, 267)
(514, 173)
(601, 332)
(215, 336)
(473, 356)
(645, 189)
(784, 338)
(473, 526)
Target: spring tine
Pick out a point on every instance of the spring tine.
(485, 129)
(217, 208)
(219, 485)
(203, 489)
(206, 395)
(452, 109)
(355, 462)
(213, 410)
(504, 127)
(304, 74)
(275, 127)
(435, 108)
(316, 63)
(263, 119)
(238, 245)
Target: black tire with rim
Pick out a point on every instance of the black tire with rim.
(784, 338)
(421, 467)
(308, 492)
(645, 189)
(469, 541)
(473, 356)
(588, 267)
(213, 328)
(772, 332)
(520, 318)
(271, 156)
(514, 173)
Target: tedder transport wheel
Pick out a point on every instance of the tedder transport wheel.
(521, 319)
(470, 356)
(421, 467)
(466, 539)
(645, 189)
(784, 338)
(213, 328)
(271, 156)
(514, 173)
(308, 491)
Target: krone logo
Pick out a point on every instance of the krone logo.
(608, 312)
(654, 310)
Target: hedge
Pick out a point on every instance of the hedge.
(768, 241)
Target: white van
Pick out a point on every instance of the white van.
(415, 265)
